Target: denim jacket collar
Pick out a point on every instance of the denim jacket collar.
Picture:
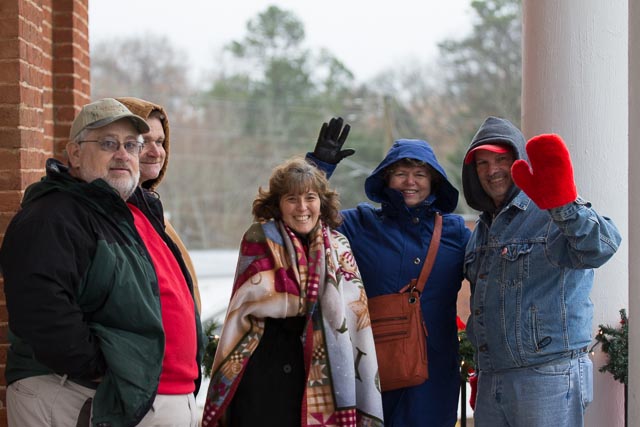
(520, 202)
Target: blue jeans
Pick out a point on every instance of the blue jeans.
(553, 394)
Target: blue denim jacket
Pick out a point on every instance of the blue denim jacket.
(531, 272)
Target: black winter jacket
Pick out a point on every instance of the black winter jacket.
(82, 294)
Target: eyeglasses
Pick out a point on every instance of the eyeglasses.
(111, 145)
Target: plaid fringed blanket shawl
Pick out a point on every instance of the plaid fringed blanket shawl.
(276, 278)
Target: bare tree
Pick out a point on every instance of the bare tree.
(148, 67)
(267, 99)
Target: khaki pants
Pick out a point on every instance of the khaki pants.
(47, 400)
(51, 400)
(172, 410)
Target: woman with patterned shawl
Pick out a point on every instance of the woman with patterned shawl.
(296, 348)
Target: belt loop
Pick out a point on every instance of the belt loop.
(63, 379)
(579, 352)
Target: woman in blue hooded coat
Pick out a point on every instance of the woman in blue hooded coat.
(390, 244)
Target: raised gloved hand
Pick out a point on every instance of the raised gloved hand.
(549, 181)
(330, 140)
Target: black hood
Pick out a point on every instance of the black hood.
(58, 178)
(494, 130)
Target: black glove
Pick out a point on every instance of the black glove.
(330, 140)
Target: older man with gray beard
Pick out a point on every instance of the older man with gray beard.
(95, 151)
(96, 291)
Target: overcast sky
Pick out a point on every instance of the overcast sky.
(367, 36)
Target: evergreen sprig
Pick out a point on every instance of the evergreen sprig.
(210, 328)
(615, 343)
(467, 365)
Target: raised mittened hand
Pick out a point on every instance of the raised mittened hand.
(549, 180)
(330, 140)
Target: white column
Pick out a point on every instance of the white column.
(634, 212)
(575, 83)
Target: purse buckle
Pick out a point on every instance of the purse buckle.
(415, 295)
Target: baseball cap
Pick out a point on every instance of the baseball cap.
(102, 113)
(495, 148)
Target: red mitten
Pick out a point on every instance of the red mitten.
(473, 382)
(549, 181)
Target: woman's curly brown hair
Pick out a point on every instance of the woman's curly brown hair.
(296, 176)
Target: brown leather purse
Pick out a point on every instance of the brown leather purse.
(399, 331)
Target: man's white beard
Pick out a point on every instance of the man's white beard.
(124, 186)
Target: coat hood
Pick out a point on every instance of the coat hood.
(57, 178)
(497, 131)
(143, 108)
(445, 196)
(97, 194)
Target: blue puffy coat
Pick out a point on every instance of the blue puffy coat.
(390, 244)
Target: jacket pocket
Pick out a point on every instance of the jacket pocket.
(515, 263)
(539, 340)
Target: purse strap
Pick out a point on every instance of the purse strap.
(431, 257)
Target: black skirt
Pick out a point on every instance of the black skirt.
(271, 389)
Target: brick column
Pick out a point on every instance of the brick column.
(70, 67)
(44, 79)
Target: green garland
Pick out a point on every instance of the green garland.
(615, 343)
(467, 365)
(210, 329)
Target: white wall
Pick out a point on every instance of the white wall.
(575, 83)
(634, 212)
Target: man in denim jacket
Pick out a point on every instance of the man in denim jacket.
(530, 263)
